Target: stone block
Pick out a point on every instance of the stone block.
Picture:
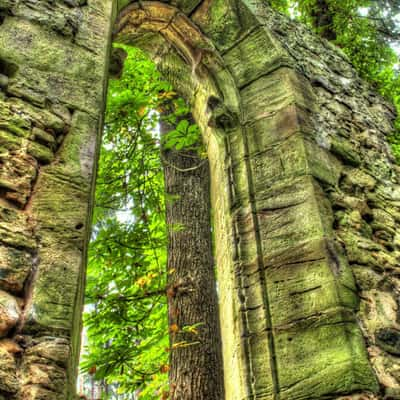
(289, 227)
(41, 153)
(37, 89)
(237, 147)
(256, 55)
(9, 142)
(58, 207)
(43, 137)
(324, 359)
(8, 373)
(63, 17)
(303, 290)
(356, 181)
(260, 359)
(247, 245)
(285, 193)
(390, 192)
(10, 313)
(274, 92)
(51, 304)
(15, 266)
(41, 118)
(37, 42)
(286, 159)
(37, 392)
(221, 22)
(322, 165)
(50, 350)
(50, 377)
(276, 127)
(389, 340)
(303, 251)
(255, 317)
(239, 183)
(17, 176)
(346, 151)
(15, 229)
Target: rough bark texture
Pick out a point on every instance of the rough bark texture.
(323, 20)
(196, 355)
(305, 193)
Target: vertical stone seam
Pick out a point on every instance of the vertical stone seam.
(80, 293)
(261, 268)
(239, 279)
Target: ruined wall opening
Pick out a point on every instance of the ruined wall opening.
(128, 235)
(127, 337)
(183, 65)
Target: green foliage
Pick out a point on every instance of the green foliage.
(280, 5)
(366, 36)
(126, 321)
(184, 136)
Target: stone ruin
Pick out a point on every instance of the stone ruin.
(305, 193)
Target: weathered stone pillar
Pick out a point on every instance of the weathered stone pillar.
(53, 58)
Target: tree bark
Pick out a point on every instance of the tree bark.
(195, 342)
(323, 20)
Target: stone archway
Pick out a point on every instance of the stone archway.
(303, 185)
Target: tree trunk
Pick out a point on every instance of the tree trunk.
(323, 20)
(195, 342)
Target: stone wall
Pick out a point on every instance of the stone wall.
(52, 73)
(358, 174)
(305, 193)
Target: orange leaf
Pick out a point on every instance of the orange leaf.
(164, 368)
(142, 111)
(92, 370)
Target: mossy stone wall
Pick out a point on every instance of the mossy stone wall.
(305, 193)
(53, 57)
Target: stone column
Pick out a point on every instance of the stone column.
(53, 61)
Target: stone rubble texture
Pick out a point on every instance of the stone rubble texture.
(305, 193)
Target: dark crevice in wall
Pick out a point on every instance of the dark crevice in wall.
(33, 187)
(117, 60)
(237, 273)
(7, 395)
(3, 195)
(6, 68)
(28, 289)
(196, 7)
(75, 3)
